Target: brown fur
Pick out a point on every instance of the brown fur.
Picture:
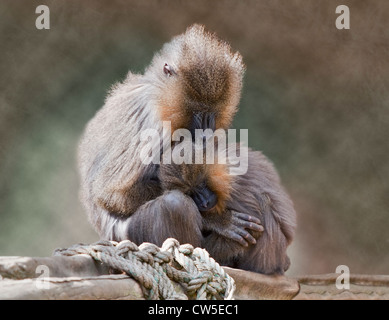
(219, 181)
(257, 193)
(127, 199)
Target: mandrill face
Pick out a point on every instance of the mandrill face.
(198, 81)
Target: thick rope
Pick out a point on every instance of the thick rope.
(156, 269)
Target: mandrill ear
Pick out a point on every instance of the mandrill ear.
(168, 70)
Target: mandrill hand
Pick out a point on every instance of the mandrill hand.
(240, 227)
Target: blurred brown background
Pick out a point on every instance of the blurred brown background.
(315, 101)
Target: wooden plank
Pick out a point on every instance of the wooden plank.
(256, 286)
(59, 266)
(69, 274)
(362, 287)
(106, 287)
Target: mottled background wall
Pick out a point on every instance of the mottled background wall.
(315, 100)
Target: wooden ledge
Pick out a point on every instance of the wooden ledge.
(80, 277)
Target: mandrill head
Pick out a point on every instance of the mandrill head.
(198, 80)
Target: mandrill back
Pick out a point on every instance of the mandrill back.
(114, 180)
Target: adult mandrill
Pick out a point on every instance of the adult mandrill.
(195, 83)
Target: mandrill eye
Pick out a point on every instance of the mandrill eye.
(168, 70)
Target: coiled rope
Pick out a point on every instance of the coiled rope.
(156, 269)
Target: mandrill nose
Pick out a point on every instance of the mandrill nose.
(205, 200)
(210, 202)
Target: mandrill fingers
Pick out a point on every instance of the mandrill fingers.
(239, 227)
(241, 223)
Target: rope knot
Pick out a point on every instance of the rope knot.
(157, 268)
